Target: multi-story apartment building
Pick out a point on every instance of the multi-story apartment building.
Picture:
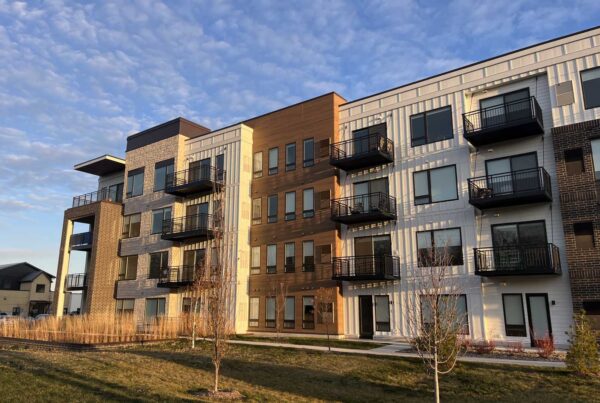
(491, 164)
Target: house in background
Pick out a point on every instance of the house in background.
(24, 289)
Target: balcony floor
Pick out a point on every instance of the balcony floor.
(364, 218)
(193, 235)
(366, 160)
(200, 187)
(509, 131)
(514, 199)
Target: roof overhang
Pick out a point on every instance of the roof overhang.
(104, 165)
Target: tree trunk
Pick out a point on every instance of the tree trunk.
(216, 385)
(328, 341)
(193, 313)
(436, 377)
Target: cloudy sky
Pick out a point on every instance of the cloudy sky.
(76, 79)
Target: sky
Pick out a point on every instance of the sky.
(77, 78)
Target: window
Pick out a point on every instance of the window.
(382, 313)
(289, 313)
(254, 312)
(190, 304)
(290, 157)
(125, 306)
(431, 126)
(584, 235)
(369, 139)
(257, 164)
(308, 256)
(271, 259)
(592, 310)
(439, 247)
(290, 257)
(290, 206)
(309, 153)
(155, 307)
(435, 185)
(220, 166)
(163, 174)
(273, 160)
(131, 225)
(524, 233)
(158, 216)
(596, 156)
(135, 182)
(115, 192)
(158, 262)
(272, 209)
(40, 288)
(271, 312)
(504, 108)
(445, 300)
(574, 161)
(590, 84)
(128, 269)
(325, 313)
(308, 203)
(255, 260)
(308, 313)
(514, 316)
(199, 170)
(256, 211)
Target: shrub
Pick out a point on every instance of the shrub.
(514, 347)
(484, 347)
(582, 357)
(545, 346)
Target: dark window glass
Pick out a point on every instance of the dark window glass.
(273, 161)
(461, 307)
(289, 313)
(290, 206)
(272, 209)
(163, 174)
(308, 256)
(382, 313)
(596, 156)
(574, 161)
(309, 153)
(220, 166)
(584, 235)
(431, 126)
(290, 157)
(592, 310)
(135, 183)
(590, 83)
(439, 247)
(40, 288)
(158, 262)
(514, 316)
(435, 185)
(125, 306)
(290, 257)
(155, 307)
(158, 218)
(128, 269)
(308, 203)
(271, 259)
(308, 312)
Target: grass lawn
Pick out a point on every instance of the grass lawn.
(168, 372)
(314, 341)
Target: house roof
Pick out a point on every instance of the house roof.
(13, 274)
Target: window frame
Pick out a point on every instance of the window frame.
(289, 323)
(270, 322)
(163, 263)
(40, 286)
(467, 324)
(120, 310)
(290, 166)
(154, 213)
(287, 268)
(272, 218)
(258, 219)
(254, 269)
(572, 156)
(257, 173)
(254, 321)
(308, 162)
(433, 247)
(272, 269)
(425, 113)
(307, 323)
(290, 215)
(514, 332)
(131, 179)
(127, 224)
(163, 165)
(428, 171)
(273, 169)
(124, 272)
(582, 225)
(382, 326)
(308, 267)
(581, 72)
(308, 213)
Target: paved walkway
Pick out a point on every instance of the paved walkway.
(400, 350)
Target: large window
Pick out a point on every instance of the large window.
(128, 269)
(257, 165)
(158, 262)
(382, 313)
(308, 312)
(435, 185)
(309, 153)
(308, 256)
(155, 307)
(531, 233)
(270, 317)
(439, 247)
(290, 257)
(162, 171)
(584, 235)
(125, 306)
(273, 160)
(524, 177)
(514, 317)
(158, 216)
(455, 302)
(290, 157)
(135, 182)
(272, 209)
(431, 126)
(590, 83)
(256, 211)
(254, 312)
(255, 260)
(289, 313)
(596, 156)
(290, 206)
(574, 161)
(271, 259)
(131, 225)
(308, 203)
(220, 166)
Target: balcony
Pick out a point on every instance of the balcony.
(176, 276)
(75, 282)
(510, 189)
(81, 241)
(517, 260)
(204, 179)
(366, 268)
(507, 121)
(105, 194)
(362, 209)
(199, 227)
(363, 152)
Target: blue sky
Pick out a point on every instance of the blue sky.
(77, 78)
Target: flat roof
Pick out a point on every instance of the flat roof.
(101, 166)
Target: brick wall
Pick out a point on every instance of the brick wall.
(579, 202)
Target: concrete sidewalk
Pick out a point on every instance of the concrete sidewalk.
(400, 350)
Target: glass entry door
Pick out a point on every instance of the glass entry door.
(371, 254)
(513, 174)
(196, 216)
(370, 196)
(199, 170)
(501, 109)
(520, 246)
(539, 317)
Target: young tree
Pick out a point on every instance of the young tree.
(197, 288)
(281, 293)
(325, 302)
(582, 356)
(437, 319)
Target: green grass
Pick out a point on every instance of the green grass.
(168, 372)
(313, 341)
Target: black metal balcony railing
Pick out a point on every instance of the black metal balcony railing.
(76, 281)
(372, 267)
(108, 194)
(203, 179)
(511, 188)
(81, 241)
(176, 276)
(372, 207)
(507, 121)
(198, 226)
(517, 260)
(362, 152)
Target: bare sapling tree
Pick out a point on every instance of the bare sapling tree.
(438, 318)
(281, 294)
(325, 302)
(197, 289)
